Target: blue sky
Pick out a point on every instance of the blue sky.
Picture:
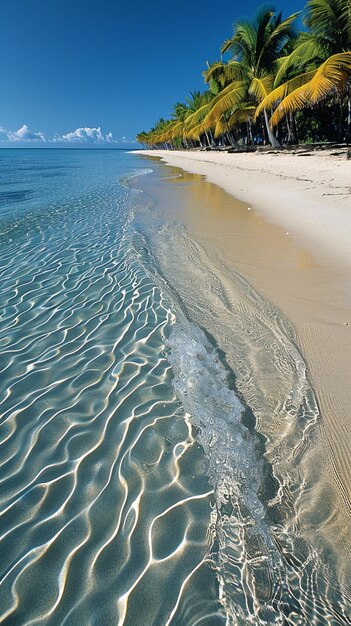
(86, 72)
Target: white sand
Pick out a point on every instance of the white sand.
(310, 196)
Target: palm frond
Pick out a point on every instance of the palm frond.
(221, 127)
(322, 15)
(194, 132)
(306, 51)
(213, 86)
(293, 102)
(283, 91)
(262, 21)
(260, 87)
(177, 130)
(332, 74)
(273, 41)
(329, 21)
(226, 46)
(197, 117)
(243, 43)
(224, 73)
(225, 101)
(241, 115)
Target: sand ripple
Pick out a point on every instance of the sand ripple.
(104, 504)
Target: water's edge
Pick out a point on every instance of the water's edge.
(156, 416)
(255, 464)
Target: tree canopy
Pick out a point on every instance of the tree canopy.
(274, 84)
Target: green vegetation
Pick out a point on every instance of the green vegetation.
(277, 86)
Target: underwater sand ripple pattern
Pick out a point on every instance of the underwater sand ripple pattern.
(104, 504)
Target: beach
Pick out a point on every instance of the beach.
(308, 193)
(288, 233)
(175, 314)
(174, 402)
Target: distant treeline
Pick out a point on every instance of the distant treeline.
(277, 85)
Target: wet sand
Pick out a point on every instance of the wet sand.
(308, 195)
(308, 282)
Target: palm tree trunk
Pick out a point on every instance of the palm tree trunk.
(290, 124)
(288, 128)
(293, 129)
(231, 139)
(263, 129)
(272, 139)
(341, 133)
(249, 132)
(348, 127)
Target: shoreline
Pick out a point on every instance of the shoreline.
(316, 197)
(303, 276)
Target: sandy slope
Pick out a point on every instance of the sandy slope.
(310, 196)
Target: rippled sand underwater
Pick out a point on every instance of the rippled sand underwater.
(134, 486)
(105, 504)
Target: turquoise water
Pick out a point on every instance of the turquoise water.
(104, 501)
(134, 486)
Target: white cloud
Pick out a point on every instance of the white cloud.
(25, 134)
(128, 140)
(86, 135)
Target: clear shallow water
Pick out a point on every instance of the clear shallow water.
(104, 502)
(134, 487)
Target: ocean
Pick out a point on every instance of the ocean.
(154, 411)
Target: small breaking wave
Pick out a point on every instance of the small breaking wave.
(136, 174)
(233, 463)
(264, 568)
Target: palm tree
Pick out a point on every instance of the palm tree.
(179, 128)
(320, 64)
(270, 68)
(243, 82)
(157, 135)
(198, 106)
